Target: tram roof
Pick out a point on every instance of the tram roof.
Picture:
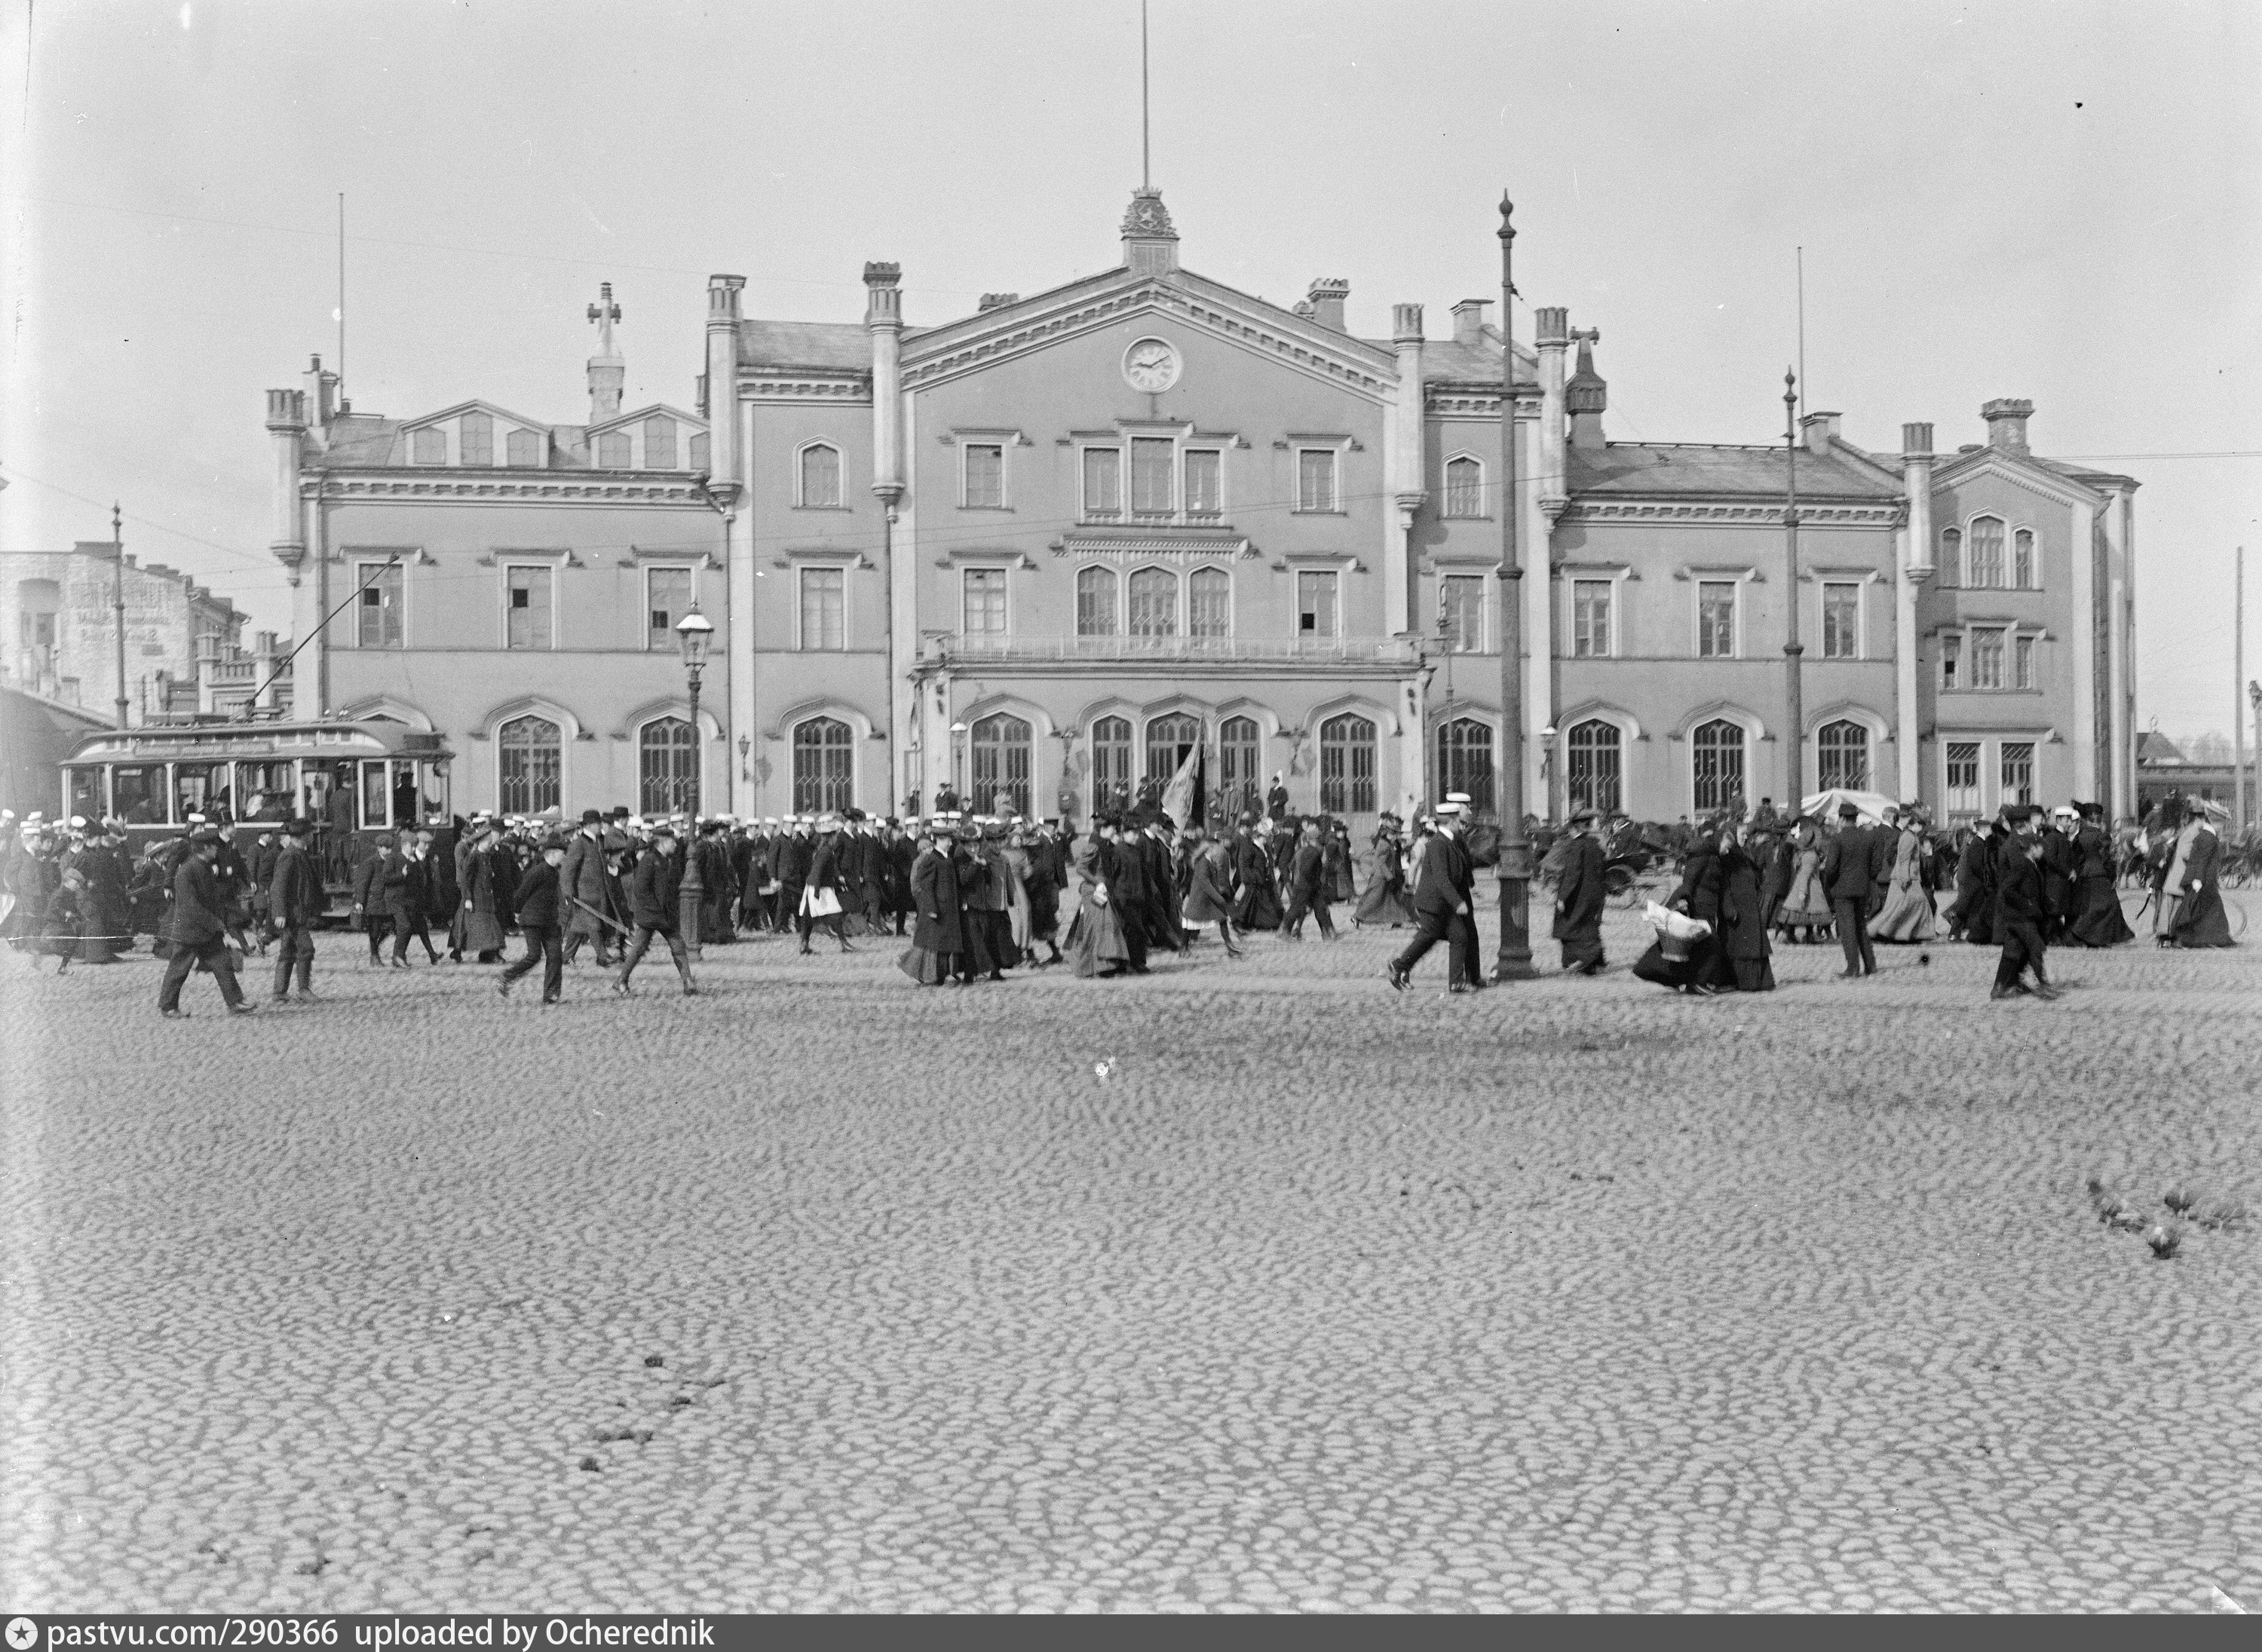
(256, 742)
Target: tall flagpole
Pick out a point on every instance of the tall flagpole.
(341, 295)
(1794, 737)
(2238, 792)
(1146, 168)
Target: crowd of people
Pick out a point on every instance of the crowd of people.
(976, 895)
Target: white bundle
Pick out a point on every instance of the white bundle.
(1673, 925)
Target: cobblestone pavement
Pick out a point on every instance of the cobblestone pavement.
(1244, 1286)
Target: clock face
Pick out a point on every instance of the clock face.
(1150, 364)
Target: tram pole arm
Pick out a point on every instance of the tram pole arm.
(390, 562)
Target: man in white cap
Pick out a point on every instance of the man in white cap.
(1444, 897)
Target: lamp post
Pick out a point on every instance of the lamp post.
(1514, 963)
(1547, 766)
(1795, 763)
(958, 762)
(693, 634)
(117, 601)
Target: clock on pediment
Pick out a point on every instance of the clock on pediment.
(1151, 364)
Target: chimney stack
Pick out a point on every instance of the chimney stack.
(1329, 295)
(1469, 321)
(1819, 431)
(321, 393)
(1587, 394)
(2007, 424)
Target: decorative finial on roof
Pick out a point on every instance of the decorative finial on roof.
(1150, 242)
(604, 313)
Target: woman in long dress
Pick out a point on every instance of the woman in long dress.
(938, 953)
(2201, 921)
(1095, 943)
(1906, 914)
(2175, 832)
(1209, 890)
(1384, 904)
(1807, 905)
(2098, 920)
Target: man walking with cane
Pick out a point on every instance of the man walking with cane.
(199, 929)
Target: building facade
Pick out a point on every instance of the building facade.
(1062, 549)
(58, 616)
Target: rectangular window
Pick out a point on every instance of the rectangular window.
(2018, 771)
(1153, 492)
(1951, 660)
(1460, 613)
(823, 608)
(1986, 554)
(1103, 481)
(1315, 478)
(1963, 777)
(1209, 604)
(475, 439)
(2022, 657)
(524, 448)
(1841, 622)
(528, 614)
(985, 476)
(428, 446)
(1987, 658)
(1205, 482)
(985, 602)
(1095, 602)
(1591, 619)
(1716, 619)
(1315, 604)
(2022, 559)
(668, 598)
(613, 451)
(376, 609)
(660, 444)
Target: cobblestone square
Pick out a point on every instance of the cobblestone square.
(1243, 1286)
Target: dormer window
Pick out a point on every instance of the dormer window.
(523, 449)
(475, 439)
(428, 446)
(613, 451)
(658, 443)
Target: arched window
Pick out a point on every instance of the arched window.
(1095, 602)
(1239, 749)
(1951, 555)
(1209, 604)
(1169, 740)
(1001, 764)
(1465, 760)
(1153, 602)
(1464, 488)
(667, 761)
(1841, 756)
(531, 752)
(1986, 554)
(1110, 763)
(1594, 772)
(1716, 754)
(1347, 765)
(824, 766)
(820, 476)
(2022, 560)
(475, 440)
(613, 451)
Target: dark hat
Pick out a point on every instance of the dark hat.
(1584, 815)
(1848, 811)
(297, 827)
(590, 817)
(205, 833)
(620, 811)
(558, 841)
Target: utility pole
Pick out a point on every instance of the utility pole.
(1515, 960)
(1794, 736)
(2238, 793)
(118, 599)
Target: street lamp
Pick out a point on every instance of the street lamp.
(958, 764)
(1547, 766)
(693, 634)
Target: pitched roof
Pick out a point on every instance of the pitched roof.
(2094, 479)
(833, 346)
(2152, 747)
(1690, 467)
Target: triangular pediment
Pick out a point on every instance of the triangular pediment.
(448, 415)
(622, 420)
(2016, 469)
(1104, 301)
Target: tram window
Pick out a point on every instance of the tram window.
(433, 777)
(85, 793)
(403, 794)
(192, 790)
(267, 790)
(373, 817)
(137, 795)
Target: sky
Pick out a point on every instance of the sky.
(2061, 201)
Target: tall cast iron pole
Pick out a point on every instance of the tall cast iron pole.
(1515, 960)
(1794, 736)
(117, 601)
(2238, 792)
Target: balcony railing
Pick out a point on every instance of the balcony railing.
(1315, 649)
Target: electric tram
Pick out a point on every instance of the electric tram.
(353, 779)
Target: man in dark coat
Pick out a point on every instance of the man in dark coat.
(1849, 877)
(407, 891)
(1123, 868)
(1308, 890)
(904, 849)
(541, 921)
(1580, 895)
(368, 894)
(654, 886)
(825, 887)
(584, 892)
(1276, 800)
(939, 951)
(1444, 893)
(295, 902)
(2018, 909)
(2061, 870)
(875, 876)
(199, 929)
(1259, 907)
(795, 851)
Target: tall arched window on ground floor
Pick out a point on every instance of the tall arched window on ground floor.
(1001, 764)
(1841, 756)
(1110, 763)
(1717, 756)
(824, 766)
(667, 761)
(1465, 760)
(1170, 740)
(1240, 750)
(1347, 765)
(1593, 767)
(530, 755)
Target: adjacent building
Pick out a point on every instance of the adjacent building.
(1047, 553)
(60, 616)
